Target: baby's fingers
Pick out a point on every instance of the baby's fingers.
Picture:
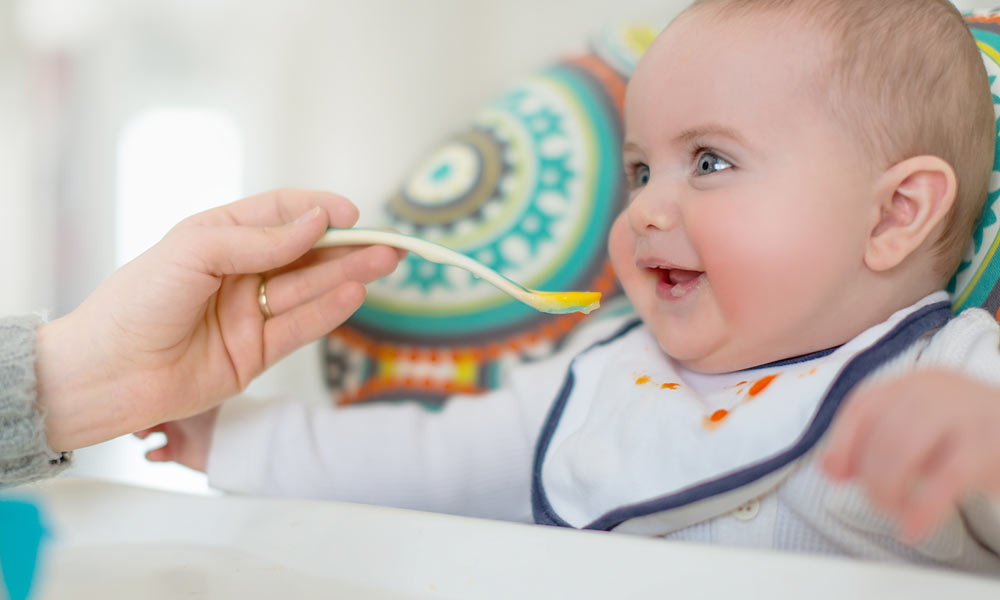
(144, 433)
(900, 453)
(162, 454)
(851, 432)
(932, 496)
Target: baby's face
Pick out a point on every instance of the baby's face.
(749, 208)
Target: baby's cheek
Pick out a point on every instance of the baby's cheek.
(621, 241)
(749, 265)
(621, 251)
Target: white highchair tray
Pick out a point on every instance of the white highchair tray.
(117, 541)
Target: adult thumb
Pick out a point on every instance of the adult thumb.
(239, 249)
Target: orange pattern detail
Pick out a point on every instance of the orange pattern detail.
(983, 18)
(613, 82)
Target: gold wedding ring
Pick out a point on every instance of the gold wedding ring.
(262, 299)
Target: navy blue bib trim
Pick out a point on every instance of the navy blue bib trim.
(909, 330)
(784, 362)
(540, 507)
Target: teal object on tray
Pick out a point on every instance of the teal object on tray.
(22, 533)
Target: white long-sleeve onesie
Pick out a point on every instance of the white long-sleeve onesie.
(472, 457)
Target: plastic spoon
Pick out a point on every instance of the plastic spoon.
(550, 302)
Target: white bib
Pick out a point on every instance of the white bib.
(630, 445)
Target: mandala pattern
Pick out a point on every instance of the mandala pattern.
(531, 190)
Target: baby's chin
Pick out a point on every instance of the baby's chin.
(709, 366)
(712, 361)
(700, 360)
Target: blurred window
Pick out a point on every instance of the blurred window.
(172, 163)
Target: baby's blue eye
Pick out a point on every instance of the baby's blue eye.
(709, 162)
(641, 174)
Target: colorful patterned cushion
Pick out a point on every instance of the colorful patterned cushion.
(530, 189)
(975, 283)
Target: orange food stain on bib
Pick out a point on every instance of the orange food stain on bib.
(670, 386)
(641, 380)
(761, 384)
(719, 415)
(714, 421)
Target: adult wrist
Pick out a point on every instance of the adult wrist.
(74, 391)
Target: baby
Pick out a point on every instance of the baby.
(804, 176)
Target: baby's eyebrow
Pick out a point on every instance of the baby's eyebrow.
(710, 129)
(631, 147)
(686, 137)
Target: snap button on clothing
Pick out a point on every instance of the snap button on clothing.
(748, 510)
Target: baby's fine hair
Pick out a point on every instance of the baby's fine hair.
(906, 80)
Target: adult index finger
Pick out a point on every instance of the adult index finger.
(278, 207)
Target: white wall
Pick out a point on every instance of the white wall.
(974, 4)
(22, 255)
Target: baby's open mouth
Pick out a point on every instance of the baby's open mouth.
(676, 283)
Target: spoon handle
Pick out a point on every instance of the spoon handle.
(554, 302)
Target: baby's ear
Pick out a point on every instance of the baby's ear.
(913, 197)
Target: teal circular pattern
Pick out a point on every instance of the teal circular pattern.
(530, 189)
(453, 183)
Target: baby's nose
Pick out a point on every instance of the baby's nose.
(651, 210)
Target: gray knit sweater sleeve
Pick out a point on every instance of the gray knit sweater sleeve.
(24, 454)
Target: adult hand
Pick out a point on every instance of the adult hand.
(179, 329)
(918, 445)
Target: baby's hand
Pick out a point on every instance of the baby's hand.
(918, 444)
(188, 440)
